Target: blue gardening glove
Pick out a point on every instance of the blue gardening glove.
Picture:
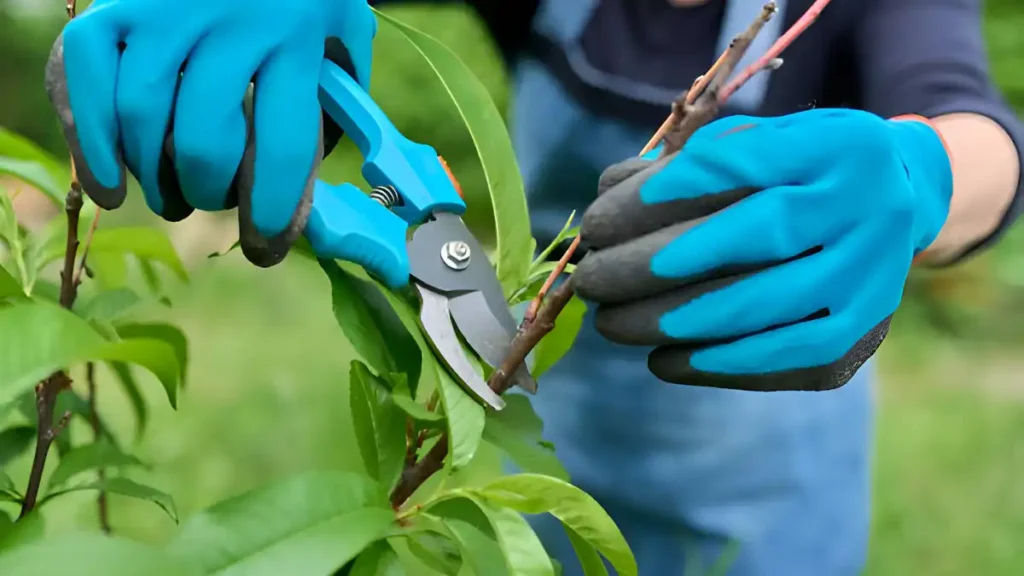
(113, 77)
(769, 254)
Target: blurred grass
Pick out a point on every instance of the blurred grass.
(267, 394)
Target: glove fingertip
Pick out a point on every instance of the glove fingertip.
(258, 249)
(105, 196)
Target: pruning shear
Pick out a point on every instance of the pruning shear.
(457, 285)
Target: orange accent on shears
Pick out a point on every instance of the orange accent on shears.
(451, 176)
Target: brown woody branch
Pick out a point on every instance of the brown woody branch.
(694, 109)
(48, 390)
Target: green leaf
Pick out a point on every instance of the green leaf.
(379, 425)
(6, 484)
(379, 559)
(123, 487)
(110, 270)
(85, 554)
(36, 175)
(307, 524)
(415, 410)
(123, 374)
(536, 494)
(9, 286)
(436, 551)
(11, 234)
(505, 194)
(88, 458)
(14, 441)
(557, 343)
(108, 304)
(163, 332)
(26, 530)
(14, 146)
(465, 419)
(148, 244)
(516, 430)
(371, 324)
(39, 338)
(590, 560)
(494, 541)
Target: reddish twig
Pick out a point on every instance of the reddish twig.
(531, 311)
(765, 61)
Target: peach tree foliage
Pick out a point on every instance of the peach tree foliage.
(402, 400)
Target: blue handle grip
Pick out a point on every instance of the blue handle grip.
(346, 224)
(390, 159)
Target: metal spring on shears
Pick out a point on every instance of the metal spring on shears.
(387, 196)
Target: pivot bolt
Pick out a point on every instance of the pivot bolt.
(455, 254)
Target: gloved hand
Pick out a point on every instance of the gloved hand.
(768, 254)
(113, 77)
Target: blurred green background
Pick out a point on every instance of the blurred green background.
(267, 391)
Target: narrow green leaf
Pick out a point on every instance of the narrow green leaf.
(85, 554)
(36, 175)
(12, 236)
(9, 286)
(38, 338)
(415, 410)
(377, 560)
(436, 552)
(14, 146)
(516, 430)
(590, 560)
(567, 231)
(144, 243)
(26, 530)
(557, 343)
(505, 194)
(123, 374)
(307, 524)
(6, 484)
(14, 441)
(379, 425)
(472, 530)
(371, 324)
(110, 270)
(164, 332)
(465, 419)
(6, 523)
(122, 487)
(88, 458)
(524, 552)
(536, 494)
(108, 304)
(71, 401)
(477, 525)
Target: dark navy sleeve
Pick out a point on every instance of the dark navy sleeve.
(928, 57)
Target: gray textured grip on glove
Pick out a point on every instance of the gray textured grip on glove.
(624, 234)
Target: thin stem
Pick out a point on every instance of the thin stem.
(698, 87)
(97, 432)
(531, 311)
(83, 265)
(765, 61)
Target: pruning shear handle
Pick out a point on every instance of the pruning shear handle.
(459, 289)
